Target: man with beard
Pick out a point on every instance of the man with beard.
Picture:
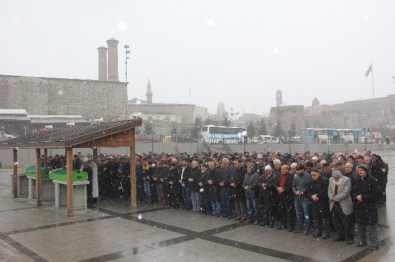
(236, 184)
(285, 199)
(268, 197)
(318, 194)
(341, 206)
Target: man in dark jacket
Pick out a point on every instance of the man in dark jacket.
(158, 178)
(236, 185)
(365, 191)
(226, 174)
(193, 182)
(173, 187)
(250, 185)
(286, 209)
(318, 194)
(380, 172)
(211, 179)
(184, 172)
(300, 182)
(268, 196)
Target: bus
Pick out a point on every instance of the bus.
(332, 135)
(222, 134)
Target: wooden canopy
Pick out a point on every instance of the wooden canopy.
(111, 134)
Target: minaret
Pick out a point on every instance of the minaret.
(112, 60)
(149, 93)
(102, 63)
(279, 97)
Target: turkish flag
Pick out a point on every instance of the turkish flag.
(370, 69)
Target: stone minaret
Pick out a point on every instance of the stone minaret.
(149, 93)
(102, 63)
(112, 60)
(279, 98)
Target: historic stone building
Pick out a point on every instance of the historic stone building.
(56, 96)
(105, 98)
(367, 113)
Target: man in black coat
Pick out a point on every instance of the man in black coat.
(226, 174)
(318, 194)
(365, 191)
(211, 180)
(236, 184)
(184, 173)
(173, 187)
(285, 199)
(268, 197)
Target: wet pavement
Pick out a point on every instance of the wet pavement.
(112, 232)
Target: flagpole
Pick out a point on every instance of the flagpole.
(372, 83)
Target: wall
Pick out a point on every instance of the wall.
(55, 96)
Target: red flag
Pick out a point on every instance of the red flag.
(369, 70)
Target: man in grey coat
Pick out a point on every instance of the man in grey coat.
(341, 206)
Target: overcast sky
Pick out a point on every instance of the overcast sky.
(203, 52)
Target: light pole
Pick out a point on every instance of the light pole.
(127, 52)
(244, 135)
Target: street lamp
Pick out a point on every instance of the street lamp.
(127, 53)
(244, 135)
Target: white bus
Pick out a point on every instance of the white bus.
(222, 134)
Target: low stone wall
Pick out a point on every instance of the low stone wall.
(28, 157)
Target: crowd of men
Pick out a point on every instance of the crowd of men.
(316, 194)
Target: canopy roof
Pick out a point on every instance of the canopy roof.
(110, 134)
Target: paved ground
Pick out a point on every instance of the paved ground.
(113, 233)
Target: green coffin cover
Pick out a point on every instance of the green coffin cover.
(31, 171)
(61, 174)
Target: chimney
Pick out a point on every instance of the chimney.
(112, 60)
(102, 63)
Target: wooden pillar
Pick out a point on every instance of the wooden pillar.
(133, 187)
(70, 194)
(15, 172)
(38, 177)
(46, 157)
(95, 155)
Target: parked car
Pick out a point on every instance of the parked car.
(257, 140)
(267, 139)
(368, 141)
